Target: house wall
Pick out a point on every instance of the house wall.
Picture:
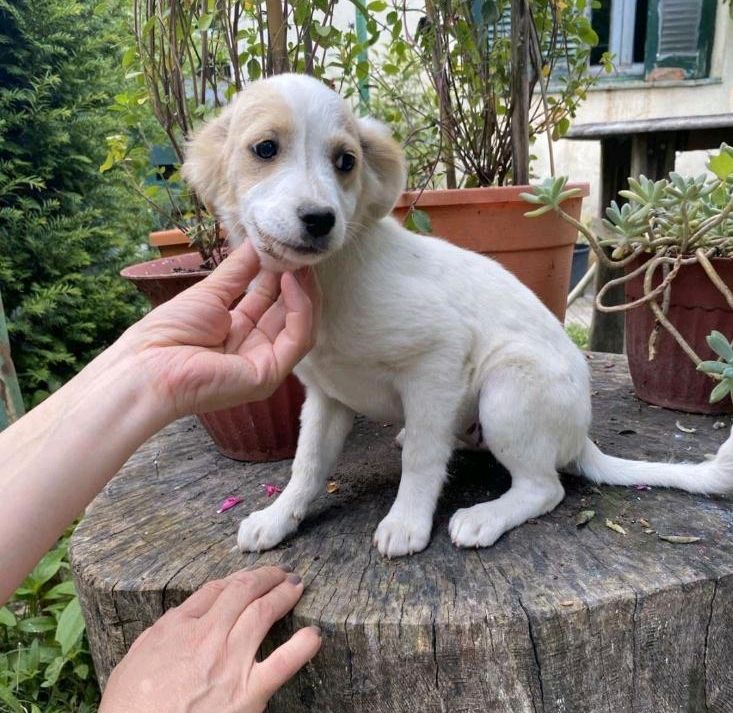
(631, 100)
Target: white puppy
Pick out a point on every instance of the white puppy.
(414, 329)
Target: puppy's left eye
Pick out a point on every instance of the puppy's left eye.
(265, 149)
(345, 162)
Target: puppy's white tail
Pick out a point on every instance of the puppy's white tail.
(711, 476)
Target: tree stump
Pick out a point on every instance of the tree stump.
(554, 617)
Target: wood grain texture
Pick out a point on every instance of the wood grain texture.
(551, 618)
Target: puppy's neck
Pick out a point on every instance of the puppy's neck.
(347, 265)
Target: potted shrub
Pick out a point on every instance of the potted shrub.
(189, 58)
(489, 65)
(674, 239)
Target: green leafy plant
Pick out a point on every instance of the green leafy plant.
(409, 113)
(65, 230)
(664, 226)
(45, 663)
(578, 333)
(490, 64)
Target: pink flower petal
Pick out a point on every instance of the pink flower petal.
(229, 503)
(270, 489)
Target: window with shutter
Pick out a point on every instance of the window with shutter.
(500, 27)
(621, 26)
(679, 38)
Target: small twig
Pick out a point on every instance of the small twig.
(537, 49)
(650, 266)
(666, 299)
(662, 318)
(714, 276)
(596, 244)
(584, 282)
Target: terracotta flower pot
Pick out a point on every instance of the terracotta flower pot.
(491, 221)
(259, 431)
(696, 309)
(170, 242)
(161, 279)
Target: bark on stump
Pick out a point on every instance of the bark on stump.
(552, 618)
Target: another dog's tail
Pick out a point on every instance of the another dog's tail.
(710, 476)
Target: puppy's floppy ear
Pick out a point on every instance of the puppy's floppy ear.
(384, 168)
(205, 167)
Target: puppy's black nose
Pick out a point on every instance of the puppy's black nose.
(318, 222)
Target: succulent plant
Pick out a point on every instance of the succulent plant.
(722, 369)
(668, 223)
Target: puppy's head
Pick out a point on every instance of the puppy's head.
(287, 165)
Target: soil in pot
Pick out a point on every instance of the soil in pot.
(259, 431)
(696, 309)
(491, 221)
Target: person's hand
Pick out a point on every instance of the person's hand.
(200, 656)
(202, 356)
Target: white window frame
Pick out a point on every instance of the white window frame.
(621, 36)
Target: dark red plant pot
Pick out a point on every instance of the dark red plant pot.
(161, 279)
(696, 309)
(260, 431)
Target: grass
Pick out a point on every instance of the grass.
(578, 333)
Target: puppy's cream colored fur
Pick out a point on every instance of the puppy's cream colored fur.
(413, 329)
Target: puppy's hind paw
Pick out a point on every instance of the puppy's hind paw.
(396, 537)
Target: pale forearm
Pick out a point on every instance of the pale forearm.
(61, 454)
(192, 354)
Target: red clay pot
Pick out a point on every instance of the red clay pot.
(259, 431)
(696, 309)
(170, 242)
(491, 221)
(161, 279)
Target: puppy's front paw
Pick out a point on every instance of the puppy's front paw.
(264, 529)
(396, 537)
(473, 527)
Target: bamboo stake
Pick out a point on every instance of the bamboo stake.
(11, 402)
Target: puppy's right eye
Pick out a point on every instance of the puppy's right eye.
(265, 150)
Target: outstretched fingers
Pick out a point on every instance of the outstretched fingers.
(263, 293)
(262, 355)
(283, 663)
(229, 597)
(231, 277)
(257, 619)
(296, 337)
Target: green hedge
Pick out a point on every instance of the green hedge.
(65, 228)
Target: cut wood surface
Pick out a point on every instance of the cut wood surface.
(554, 617)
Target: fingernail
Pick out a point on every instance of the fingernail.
(294, 579)
(286, 567)
(317, 630)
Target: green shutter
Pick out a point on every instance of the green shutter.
(680, 36)
(498, 18)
